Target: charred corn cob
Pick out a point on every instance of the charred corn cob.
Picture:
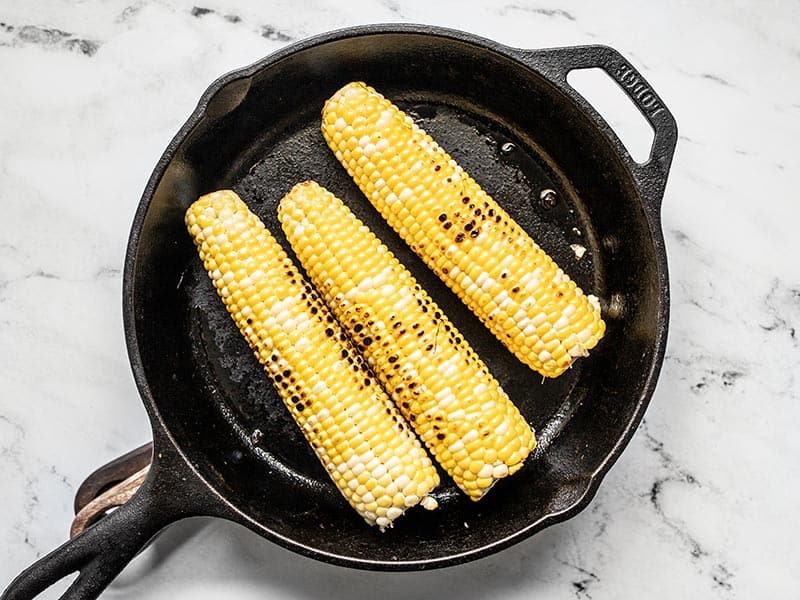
(461, 233)
(442, 387)
(354, 428)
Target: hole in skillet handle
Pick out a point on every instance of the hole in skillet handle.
(556, 64)
(617, 108)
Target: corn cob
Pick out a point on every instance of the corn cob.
(440, 384)
(461, 233)
(368, 450)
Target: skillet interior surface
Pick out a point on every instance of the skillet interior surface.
(516, 134)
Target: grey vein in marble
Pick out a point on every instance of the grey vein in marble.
(198, 11)
(547, 12)
(271, 33)
(46, 37)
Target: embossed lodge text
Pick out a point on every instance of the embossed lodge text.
(644, 96)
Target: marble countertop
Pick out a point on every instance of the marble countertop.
(700, 505)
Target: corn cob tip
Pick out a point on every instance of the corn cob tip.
(214, 200)
(348, 90)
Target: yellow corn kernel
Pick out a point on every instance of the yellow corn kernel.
(461, 233)
(348, 419)
(440, 385)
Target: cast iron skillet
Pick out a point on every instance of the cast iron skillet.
(225, 446)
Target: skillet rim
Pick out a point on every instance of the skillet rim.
(163, 435)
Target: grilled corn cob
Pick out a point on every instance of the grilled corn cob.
(441, 386)
(461, 233)
(352, 425)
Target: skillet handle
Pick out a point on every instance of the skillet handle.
(103, 550)
(556, 63)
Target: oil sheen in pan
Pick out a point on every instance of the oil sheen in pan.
(508, 166)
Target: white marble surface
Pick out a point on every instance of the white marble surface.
(702, 503)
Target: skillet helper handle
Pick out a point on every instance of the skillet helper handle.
(556, 63)
(111, 474)
(107, 501)
(103, 550)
